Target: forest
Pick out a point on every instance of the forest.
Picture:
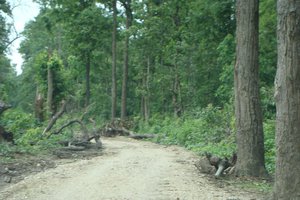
(165, 67)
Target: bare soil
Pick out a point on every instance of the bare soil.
(127, 169)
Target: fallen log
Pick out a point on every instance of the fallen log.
(55, 117)
(82, 127)
(112, 131)
(141, 136)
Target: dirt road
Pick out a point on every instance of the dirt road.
(129, 169)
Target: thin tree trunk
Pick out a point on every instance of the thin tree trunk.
(125, 80)
(50, 92)
(145, 96)
(128, 11)
(287, 95)
(114, 63)
(250, 139)
(87, 80)
(176, 96)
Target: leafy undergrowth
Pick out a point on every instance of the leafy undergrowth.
(32, 152)
(27, 133)
(207, 130)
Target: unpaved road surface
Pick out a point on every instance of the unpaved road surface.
(129, 169)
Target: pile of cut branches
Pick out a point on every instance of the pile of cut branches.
(78, 143)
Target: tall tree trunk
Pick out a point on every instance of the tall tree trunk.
(287, 95)
(128, 11)
(114, 63)
(176, 94)
(250, 139)
(145, 96)
(125, 80)
(87, 80)
(176, 87)
(50, 110)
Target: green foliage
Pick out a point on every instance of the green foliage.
(7, 80)
(4, 27)
(269, 134)
(27, 134)
(208, 129)
(226, 61)
(268, 102)
(17, 122)
(268, 42)
(40, 68)
(6, 150)
(59, 85)
(29, 137)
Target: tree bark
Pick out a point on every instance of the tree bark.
(87, 80)
(176, 94)
(287, 95)
(176, 85)
(50, 93)
(250, 138)
(114, 63)
(145, 96)
(128, 11)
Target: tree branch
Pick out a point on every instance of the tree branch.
(55, 117)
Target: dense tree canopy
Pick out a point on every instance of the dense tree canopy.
(181, 54)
